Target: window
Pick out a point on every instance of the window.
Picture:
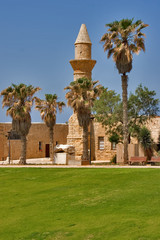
(40, 146)
(113, 146)
(100, 143)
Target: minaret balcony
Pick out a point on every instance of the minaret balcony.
(83, 65)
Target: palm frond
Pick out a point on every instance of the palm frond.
(122, 39)
(18, 99)
(48, 108)
(81, 96)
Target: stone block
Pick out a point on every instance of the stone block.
(60, 158)
(74, 162)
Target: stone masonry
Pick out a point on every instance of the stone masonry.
(82, 66)
(39, 133)
(37, 140)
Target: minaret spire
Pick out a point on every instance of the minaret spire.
(83, 36)
(83, 64)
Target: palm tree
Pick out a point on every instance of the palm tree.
(123, 38)
(146, 141)
(48, 111)
(80, 97)
(19, 100)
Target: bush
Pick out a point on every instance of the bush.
(114, 138)
(146, 141)
(114, 159)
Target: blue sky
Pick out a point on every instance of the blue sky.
(37, 41)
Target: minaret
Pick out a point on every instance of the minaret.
(82, 66)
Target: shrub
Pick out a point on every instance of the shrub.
(114, 159)
(146, 141)
(114, 138)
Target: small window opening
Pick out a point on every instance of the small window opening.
(40, 146)
(100, 143)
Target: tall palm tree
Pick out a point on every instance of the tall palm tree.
(80, 97)
(48, 111)
(19, 99)
(123, 38)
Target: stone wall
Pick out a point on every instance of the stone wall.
(70, 134)
(154, 126)
(133, 150)
(4, 128)
(107, 153)
(38, 133)
(75, 138)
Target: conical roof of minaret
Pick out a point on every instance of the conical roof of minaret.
(83, 36)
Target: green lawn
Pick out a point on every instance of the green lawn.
(79, 204)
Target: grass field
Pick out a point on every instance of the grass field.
(79, 204)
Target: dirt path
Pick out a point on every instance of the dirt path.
(66, 166)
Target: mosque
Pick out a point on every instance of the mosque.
(71, 134)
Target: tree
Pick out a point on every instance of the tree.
(142, 106)
(19, 99)
(108, 110)
(48, 110)
(123, 38)
(114, 138)
(146, 141)
(81, 96)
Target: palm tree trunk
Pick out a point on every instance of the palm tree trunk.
(125, 117)
(23, 150)
(51, 133)
(85, 142)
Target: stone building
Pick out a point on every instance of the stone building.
(37, 140)
(71, 134)
(99, 145)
